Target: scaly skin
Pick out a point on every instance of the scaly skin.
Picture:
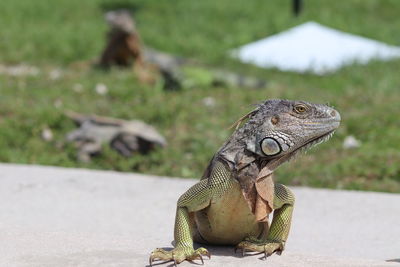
(220, 209)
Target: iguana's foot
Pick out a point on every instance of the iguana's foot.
(178, 254)
(268, 247)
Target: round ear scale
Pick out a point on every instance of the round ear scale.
(270, 147)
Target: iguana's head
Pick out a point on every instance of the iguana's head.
(121, 20)
(278, 129)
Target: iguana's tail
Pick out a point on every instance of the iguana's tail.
(171, 69)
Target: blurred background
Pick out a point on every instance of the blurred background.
(49, 52)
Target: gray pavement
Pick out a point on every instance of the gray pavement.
(74, 217)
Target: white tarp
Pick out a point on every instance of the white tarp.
(311, 47)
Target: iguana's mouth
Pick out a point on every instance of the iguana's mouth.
(313, 142)
(276, 162)
(318, 140)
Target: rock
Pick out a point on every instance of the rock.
(78, 88)
(101, 89)
(19, 70)
(47, 134)
(58, 103)
(209, 101)
(351, 142)
(55, 74)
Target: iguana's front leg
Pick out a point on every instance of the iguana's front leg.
(280, 226)
(196, 198)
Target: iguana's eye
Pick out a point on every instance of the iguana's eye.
(270, 147)
(300, 108)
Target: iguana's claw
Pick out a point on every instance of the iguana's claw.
(241, 248)
(266, 247)
(179, 254)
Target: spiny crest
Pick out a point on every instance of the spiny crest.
(261, 111)
(237, 123)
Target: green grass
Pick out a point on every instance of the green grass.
(64, 33)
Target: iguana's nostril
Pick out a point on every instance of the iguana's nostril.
(335, 114)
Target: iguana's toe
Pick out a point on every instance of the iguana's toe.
(266, 247)
(178, 255)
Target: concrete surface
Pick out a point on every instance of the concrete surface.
(70, 217)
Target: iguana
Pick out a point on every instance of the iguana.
(124, 136)
(124, 44)
(124, 47)
(231, 203)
